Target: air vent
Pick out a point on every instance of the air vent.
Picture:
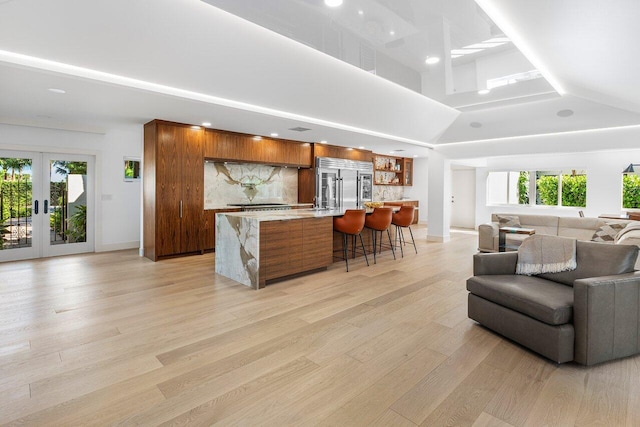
(299, 129)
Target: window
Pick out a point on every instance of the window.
(542, 188)
(630, 191)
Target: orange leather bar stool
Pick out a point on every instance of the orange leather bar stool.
(403, 219)
(350, 224)
(379, 221)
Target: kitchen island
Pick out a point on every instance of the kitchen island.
(255, 247)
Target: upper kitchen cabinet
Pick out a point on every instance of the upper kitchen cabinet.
(391, 170)
(237, 147)
(173, 189)
(408, 172)
(336, 152)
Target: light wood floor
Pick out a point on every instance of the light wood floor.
(116, 339)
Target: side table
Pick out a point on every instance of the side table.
(502, 236)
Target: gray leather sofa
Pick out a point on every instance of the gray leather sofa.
(589, 315)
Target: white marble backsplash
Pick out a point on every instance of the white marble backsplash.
(248, 183)
(387, 192)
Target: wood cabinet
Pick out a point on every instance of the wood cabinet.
(294, 246)
(173, 189)
(325, 150)
(390, 170)
(230, 146)
(408, 171)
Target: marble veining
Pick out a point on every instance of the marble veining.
(387, 192)
(226, 183)
(237, 248)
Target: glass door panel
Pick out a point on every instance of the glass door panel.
(68, 204)
(18, 229)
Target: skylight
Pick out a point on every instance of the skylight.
(479, 47)
(513, 78)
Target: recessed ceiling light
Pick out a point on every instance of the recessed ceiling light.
(475, 125)
(361, 12)
(432, 60)
(257, 138)
(54, 90)
(361, 147)
(564, 113)
(415, 155)
(333, 3)
(483, 91)
(274, 134)
(206, 124)
(392, 33)
(195, 127)
(323, 142)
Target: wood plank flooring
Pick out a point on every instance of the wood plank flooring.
(115, 339)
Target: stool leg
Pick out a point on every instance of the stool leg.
(413, 240)
(345, 250)
(393, 251)
(374, 235)
(399, 238)
(363, 249)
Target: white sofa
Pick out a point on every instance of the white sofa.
(579, 228)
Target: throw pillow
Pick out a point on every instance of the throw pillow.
(607, 233)
(509, 221)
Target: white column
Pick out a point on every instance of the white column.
(439, 206)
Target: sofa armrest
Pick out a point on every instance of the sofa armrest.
(495, 263)
(488, 237)
(606, 317)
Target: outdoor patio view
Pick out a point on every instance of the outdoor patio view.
(66, 202)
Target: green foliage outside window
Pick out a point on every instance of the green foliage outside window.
(547, 190)
(630, 191)
(574, 190)
(523, 188)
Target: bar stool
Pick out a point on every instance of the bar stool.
(351, 224)
(379, 221)
(403, 219)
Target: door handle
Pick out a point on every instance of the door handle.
(35, 207)
(180, 208)
(45, 207)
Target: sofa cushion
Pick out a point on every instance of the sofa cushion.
(597, 259)
(578, 228)
(509, 221)
(541, 299)
(607, 232)
(543, 224)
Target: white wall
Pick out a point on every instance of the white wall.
(604, 181)
(118, 203)
(398, 73)
(419, 189)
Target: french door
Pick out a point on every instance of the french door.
(46, 204)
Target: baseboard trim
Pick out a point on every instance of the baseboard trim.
(118, 246)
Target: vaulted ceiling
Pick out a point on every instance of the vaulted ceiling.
(123, 62)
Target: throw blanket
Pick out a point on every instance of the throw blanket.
(630, 227)
(546, 254)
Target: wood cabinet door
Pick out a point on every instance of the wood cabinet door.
(280, 248)
(192, 178)
(168, 189)
(317, 237)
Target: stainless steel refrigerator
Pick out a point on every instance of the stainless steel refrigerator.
(342, 183)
